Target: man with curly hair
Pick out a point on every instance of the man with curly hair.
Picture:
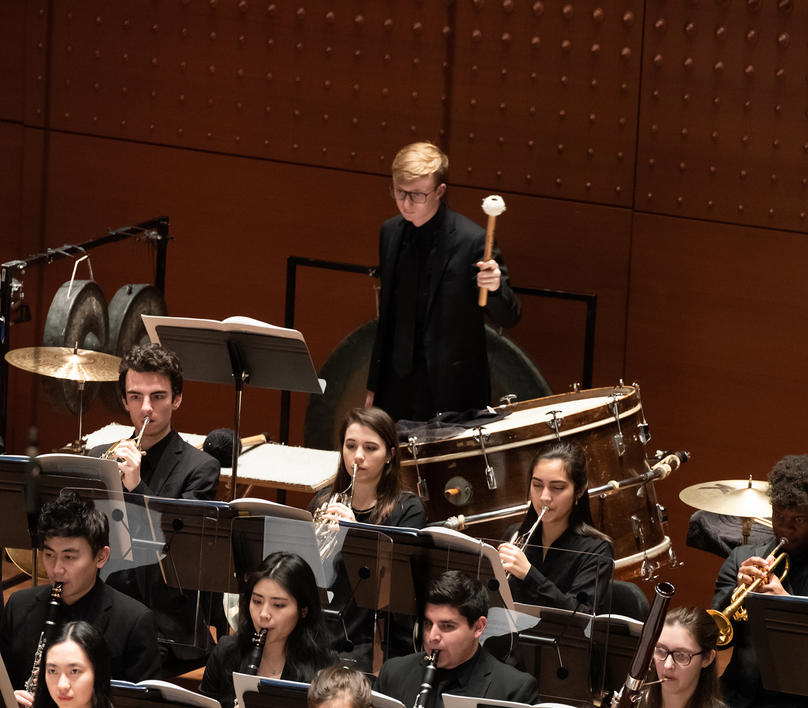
(788, 491)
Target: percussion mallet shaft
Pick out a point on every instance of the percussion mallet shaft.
(493, 206)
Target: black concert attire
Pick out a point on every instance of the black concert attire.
(353, 633)
(574, 564)
(482, 676)
(127, 626)
(429, 354)
(741, 682)
(217, 681)
(174, 469)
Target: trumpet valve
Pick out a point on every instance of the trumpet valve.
(741, 615)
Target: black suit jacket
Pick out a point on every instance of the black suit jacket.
(182, 473)
(486, 677)
(127, 626)
(454, 333)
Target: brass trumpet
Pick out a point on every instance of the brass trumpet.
(735, 609)
(325, 529)
(112, 450)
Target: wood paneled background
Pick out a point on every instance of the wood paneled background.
(654, 153)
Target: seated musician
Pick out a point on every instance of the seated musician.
(75, 541)
(684, 660)
(369, 442)
(280, 596)
(546, 572)
(455, 615)
(788, 491)
(76, 669)
(150, 382)
(339, 687)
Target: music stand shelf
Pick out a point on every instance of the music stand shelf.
(240, 351)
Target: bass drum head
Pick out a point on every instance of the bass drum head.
(126, 329)
(346, 373)
(80, 318)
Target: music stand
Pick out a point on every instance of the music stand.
(26, 483)
(152, 692)
(256, 692)
(779, 626)
(241, 351)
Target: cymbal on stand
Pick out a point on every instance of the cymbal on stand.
(733, 497)
(66, 363)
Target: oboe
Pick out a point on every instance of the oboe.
(254, 660)
(45, 636)
(427, 680)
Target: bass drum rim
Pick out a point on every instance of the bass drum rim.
(511, 371)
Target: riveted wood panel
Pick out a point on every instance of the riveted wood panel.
(716, 335)
(313, 82)
(544, 97)
(724, 118)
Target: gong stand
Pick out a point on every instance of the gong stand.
(155, 229)
(239, 351)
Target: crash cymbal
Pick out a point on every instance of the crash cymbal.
(66, 363)
(734, 497)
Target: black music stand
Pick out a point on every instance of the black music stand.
(26, 483)
(779, 626)
(241, 351)
(133, 695)
(256, 692)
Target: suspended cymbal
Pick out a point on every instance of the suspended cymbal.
(66, 363)
(734, 497)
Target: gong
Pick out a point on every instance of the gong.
(77, 316)
(346, 372)
(126, 329)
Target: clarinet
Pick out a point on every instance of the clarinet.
(631, 690)
(45, 636)
(254, 659)
(427, 680)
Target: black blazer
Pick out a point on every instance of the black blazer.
(454, 334)
(183, 472)
(127, 626)
(400, 678)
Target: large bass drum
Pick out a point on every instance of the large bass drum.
(487, 469)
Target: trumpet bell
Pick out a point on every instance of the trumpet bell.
(725, 630)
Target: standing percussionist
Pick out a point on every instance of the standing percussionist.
(455, 616)
(430, 354)
(788, 490)
(75, 542)
(150, 382)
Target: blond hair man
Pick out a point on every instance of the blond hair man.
(429, 355)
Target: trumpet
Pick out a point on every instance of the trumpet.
(521, 541)
(324, 531)
(735, 609)
(112, 450)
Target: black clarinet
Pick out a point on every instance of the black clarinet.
(254, 660)
(45, 636)
(427, 680)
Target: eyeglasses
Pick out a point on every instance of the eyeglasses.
(682, 658)
(415, 197)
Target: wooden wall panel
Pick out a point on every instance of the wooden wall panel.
(723, 133)
(320, 83)
(11, 59)
(544, 98)
(716, 335)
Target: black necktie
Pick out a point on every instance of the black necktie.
(406, 296)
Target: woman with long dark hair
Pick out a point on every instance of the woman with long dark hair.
(369, 441)
(75, 670)
(280, 596)
(566, 562)
(684, 659)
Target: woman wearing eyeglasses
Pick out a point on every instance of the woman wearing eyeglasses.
(684, 659)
